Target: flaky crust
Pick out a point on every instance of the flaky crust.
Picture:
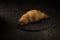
(32, 16)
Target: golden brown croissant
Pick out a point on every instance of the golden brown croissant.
(32, 16)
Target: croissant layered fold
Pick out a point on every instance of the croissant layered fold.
(32, 16)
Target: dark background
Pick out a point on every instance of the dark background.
(10, 11)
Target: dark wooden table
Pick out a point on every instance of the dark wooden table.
(11, 11)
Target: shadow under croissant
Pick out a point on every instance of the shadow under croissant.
(37, 26)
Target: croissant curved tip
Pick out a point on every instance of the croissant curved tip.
(46, 16)
(20, 22)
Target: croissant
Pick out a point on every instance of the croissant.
(32, 16)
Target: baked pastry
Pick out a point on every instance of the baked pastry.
(32, 16)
